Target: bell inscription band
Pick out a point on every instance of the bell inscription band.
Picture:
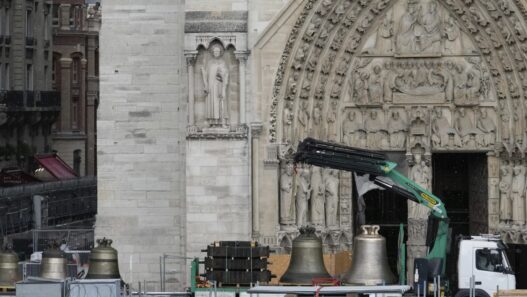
(53, 265)
(307, 261)
(369, 264)
(103, 261)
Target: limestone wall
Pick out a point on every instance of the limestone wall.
(218, 188)
(141, 136)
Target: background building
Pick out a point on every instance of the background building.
(76, 27)
(28, 105)
(201, 112)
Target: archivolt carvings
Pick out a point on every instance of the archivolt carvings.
(329, 33)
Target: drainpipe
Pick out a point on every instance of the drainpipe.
(37, 219)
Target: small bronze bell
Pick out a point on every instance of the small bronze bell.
(307, 261)
(53, 264)
(8, 268)
(369, 262)
(103, 261)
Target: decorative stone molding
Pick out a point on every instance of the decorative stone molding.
(238, 132)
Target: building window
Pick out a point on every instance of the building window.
(7, 25)
(55, 15)
(2, 20)
(46, 75)
(75, 113)
(29, 77)
(77, 159)
(96, 62)
(29, 23)
(55, 72)
(46, 27)
(75, 70)
(5, 81)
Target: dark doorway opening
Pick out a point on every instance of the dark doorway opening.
(461, 182)
(388, 210)
(517, 255)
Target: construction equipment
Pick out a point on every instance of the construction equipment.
(480, 280)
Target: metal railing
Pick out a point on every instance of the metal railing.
(29, 99)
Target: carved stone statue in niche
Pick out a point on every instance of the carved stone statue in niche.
(216, 80)
(505, 190)
(465, 127)
(397, 127)
(287, 208)
(442, 133)
(517, 195)
(389, 81)
(505, 128)
(374, 127)
(384, 42)
(360, 88)
(430, 40)
(302, 121)
(331, 131)
(353, 132)
(488, 130)
(288, 122)
(317, 129)
(331, 185)
(317, 197)
(518, 118)
(303, 194)
(470, 90)
(420, 173)
(418, 31)
(375, 86)
(453, 36)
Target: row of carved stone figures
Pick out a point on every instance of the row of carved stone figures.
(311, 195)
(384, 129)
(512, 189)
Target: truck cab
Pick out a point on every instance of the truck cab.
(483, 261)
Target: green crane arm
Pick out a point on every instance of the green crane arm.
(324, 154)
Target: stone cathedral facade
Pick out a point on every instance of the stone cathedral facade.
(201, 113)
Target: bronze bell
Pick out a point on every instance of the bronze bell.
(369, 262)
(8, 268)
(103, 261)
(54, 263)
(307, 261)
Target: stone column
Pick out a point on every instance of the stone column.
(242, 58)
(65, 94)
(92, 89)
(65, 16)
(493, 167)
(256, 129)
(82, 97)
(191, 61)
(417, 215)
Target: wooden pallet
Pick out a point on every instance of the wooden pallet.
(511, 293)
(5, 289)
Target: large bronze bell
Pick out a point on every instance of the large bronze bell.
(369, 262)
(103, 261)
(8, 268)
(307, 261)
(54, 263)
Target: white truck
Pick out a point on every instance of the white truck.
(483, 265)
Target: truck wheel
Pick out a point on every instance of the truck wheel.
(466, 293)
